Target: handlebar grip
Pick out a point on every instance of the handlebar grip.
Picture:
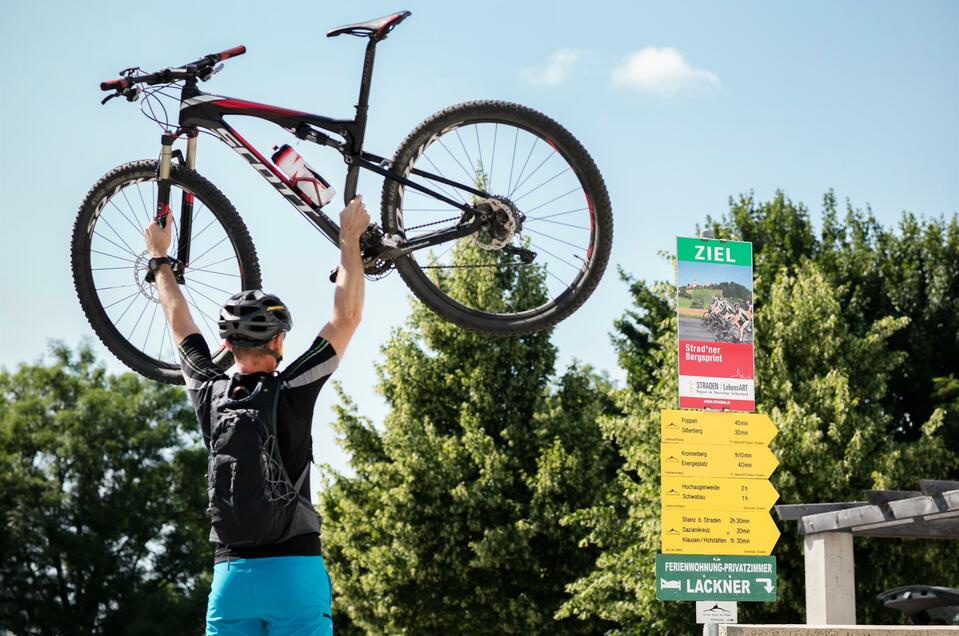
(227, 54)
(117, 84)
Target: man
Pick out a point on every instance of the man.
(278, 587)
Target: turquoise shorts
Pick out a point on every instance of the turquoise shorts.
(285, 596)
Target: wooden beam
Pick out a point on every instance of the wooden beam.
(794, 512)
(933, 487)
(880, 497)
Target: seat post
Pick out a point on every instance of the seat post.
(359, 131)
(363, 103)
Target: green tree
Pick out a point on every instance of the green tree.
(102, 498)
(909, 271)
(830, 354)
(453, 520)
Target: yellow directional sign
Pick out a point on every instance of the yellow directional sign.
(704, 532)
(707, 460)
(715, 493)
(694, 427)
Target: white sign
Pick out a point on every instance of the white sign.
(715, 611)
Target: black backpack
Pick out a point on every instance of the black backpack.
(252, 500)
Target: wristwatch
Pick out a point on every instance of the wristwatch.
(153, 266)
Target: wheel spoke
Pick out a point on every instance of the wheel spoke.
(438, 186)
(535, 170)
(207, 297)
(479, 149)
(117, 287)
(197, 235)
(109, 225)
(467, 152)
(492, 161)
(525, 163)
(146, 303)
(512, 163)
(115, 244)
(578, 227)
(146, 209)
(121, 300)
(528, 192)
(556, 239)
(210, 271)
(549, 216)
(123, 214)
(200, 311)
(200, 282)
(469, 176)
(150, 328)
(130, 205)
(565, 194)
(209, 250)
(134, 296)
(119, 258)
(560, 259)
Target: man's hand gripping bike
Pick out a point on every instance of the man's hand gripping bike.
(505, 177)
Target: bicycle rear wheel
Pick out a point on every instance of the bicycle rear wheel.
(548, 200)
(109, 264)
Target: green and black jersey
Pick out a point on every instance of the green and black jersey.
(302, 380)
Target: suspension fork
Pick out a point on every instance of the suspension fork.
(163, 192)
(186, 207)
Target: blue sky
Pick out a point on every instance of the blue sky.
(682, 104)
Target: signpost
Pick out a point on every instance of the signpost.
(714, 323)
(710, 493)
(717, 532)
(716, 529)
(715, 578)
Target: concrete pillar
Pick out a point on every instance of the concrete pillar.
(830, 579)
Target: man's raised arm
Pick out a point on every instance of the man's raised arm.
(175, 308)
(348, 297)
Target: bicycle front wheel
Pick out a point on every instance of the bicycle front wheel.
(551, 230)
(110, 264)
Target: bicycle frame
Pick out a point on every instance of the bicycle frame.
(207, 111)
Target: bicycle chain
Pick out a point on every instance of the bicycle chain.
(416, 227)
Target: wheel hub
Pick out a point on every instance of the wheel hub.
(503, 222)
(140, 267)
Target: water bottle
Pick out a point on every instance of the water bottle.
(304, 177)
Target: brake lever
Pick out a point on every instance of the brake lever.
(108, 98)
(211, 72)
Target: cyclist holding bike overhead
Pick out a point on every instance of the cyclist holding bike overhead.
(268, 575)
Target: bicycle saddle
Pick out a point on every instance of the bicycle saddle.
(376, 29)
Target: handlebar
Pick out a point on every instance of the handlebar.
(192, 70)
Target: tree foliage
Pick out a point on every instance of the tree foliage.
(848, 324)
(102, 500)
(453, 521)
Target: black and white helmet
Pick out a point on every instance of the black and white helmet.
(253, 317)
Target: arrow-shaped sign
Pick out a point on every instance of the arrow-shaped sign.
(766, 583)
(692, 427)
(686, 460)
(708, 532)
(717, 493)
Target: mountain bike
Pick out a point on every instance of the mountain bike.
(509, 179)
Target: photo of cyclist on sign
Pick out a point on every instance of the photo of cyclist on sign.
(715, 306)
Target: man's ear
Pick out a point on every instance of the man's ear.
(276, 343)
(226, 343)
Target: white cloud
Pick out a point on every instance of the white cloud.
(556, 70)
(662, 72)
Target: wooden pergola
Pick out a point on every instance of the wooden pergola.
(932, 512)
